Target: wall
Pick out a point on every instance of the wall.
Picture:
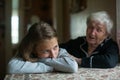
(58, 17)
(78, 20)
(118, 22)
(2, 38)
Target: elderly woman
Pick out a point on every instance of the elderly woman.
(97, 49)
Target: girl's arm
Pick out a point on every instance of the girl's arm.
(17, 65)
(62, 63)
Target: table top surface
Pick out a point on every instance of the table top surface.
(82, 74)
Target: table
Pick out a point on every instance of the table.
(82, 74)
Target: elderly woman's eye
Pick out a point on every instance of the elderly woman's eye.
(99, 30)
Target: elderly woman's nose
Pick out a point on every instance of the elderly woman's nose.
(93, 31)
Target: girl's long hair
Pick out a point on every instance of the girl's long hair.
(37, 32)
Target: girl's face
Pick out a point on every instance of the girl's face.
(48, 48)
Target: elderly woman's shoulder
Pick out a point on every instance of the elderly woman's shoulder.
(81, 38)
(112, 42)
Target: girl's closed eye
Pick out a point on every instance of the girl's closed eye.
(56, 47)
(45, 51)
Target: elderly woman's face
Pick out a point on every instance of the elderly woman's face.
(96, 33)
(47, 49)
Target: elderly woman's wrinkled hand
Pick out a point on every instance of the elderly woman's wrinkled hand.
(78, 60)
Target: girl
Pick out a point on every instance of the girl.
(39, 53)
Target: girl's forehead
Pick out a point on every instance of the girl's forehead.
(47, 44)
(48, 41)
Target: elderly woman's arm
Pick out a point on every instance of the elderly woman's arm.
(106, 58)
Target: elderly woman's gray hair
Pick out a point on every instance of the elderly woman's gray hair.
(103, 17)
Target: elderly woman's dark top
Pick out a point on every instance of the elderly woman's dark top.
(104, 56)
